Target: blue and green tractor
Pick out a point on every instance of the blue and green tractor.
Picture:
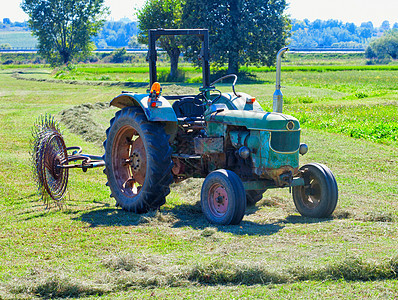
(226, 138)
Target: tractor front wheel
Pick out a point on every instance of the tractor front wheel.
(137, 161)
(223, 198)
(318, 197)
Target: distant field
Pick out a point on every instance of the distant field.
(20, 39)
(139, 72)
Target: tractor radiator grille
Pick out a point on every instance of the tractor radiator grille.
(285, 141)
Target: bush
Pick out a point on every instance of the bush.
(119, 56)
(5, 46)
(164, 76)
(384, 48)
(8, 62)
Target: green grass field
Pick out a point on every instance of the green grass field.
(91, 249)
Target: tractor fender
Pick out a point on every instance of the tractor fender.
(163, 112)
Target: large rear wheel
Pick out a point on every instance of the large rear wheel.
(318, 197)
(137, 161)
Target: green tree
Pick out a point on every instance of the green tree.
(242, 32)
(162, 14)
(385, 47)
(385, 25)
(64, 28)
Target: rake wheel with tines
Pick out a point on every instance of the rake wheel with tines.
(51, 160)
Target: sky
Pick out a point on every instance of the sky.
(356, 11)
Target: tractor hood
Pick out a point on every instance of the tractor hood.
(259, 120)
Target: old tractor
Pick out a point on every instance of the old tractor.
(226, 138)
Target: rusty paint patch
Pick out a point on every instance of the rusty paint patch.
(275, 174)
(209, 145)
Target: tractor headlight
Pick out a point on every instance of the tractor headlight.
(303, 148)
(244, 152)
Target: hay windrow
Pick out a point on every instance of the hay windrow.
(81, 121)
(124, 271)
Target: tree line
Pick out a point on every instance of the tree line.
(241, 32)
(335, 33)
(303, 33)
(117, 34)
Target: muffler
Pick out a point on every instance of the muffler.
(278, 96)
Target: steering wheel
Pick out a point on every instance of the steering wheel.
(224, 77)
(205, 101)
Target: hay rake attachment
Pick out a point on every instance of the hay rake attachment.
(52, 160)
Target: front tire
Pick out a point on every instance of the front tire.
(318, 197)
(223, 198)
(137, 161)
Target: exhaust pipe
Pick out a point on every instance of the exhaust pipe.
(278, 97)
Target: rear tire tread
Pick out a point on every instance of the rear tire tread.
(159, 164)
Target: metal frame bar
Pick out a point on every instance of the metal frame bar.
(88, 161)
(203, 34)
(269, 184)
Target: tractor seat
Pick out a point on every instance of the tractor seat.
(187, 110)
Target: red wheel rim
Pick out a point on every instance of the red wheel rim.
(218, 200)
(129, 161)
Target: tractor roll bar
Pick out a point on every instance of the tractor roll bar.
(203, 34)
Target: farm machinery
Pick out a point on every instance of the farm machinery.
(226, 138)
